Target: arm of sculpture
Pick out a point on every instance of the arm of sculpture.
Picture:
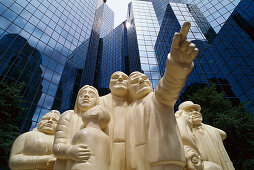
(61, 141)
(178, 67)
(19, 160)
(222, 133)
(62, 148)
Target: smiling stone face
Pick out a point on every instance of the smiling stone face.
(139, 85)
(194, 115)
(87, 98)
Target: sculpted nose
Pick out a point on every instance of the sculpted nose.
(120, 78)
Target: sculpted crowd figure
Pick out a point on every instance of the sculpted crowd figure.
(134, 128)
(204, 139)
(33, 150)
(69, 124)
(143, 129)
(95, 119)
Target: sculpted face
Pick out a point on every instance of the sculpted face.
(118, 84)
(87, 98)
(139, 85)
(194, 115)
(48, 122)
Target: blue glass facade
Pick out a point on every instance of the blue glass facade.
(113, 55)
(222, 32)
(107, 21)
(82, 67)
(144, 27)
(38, 40)
(56, 47)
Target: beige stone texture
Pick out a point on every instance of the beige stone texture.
(33, 150)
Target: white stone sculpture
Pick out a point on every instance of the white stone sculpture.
(116, 104)
(143, 128)
(207, 139)
(195, 162)
(95, 119)
(33, 150)
(153, 140)
(69, 124)
(193, 159)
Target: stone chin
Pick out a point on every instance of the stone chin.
(145, 90)
(118, 89)
(47, 130)
(197, 121)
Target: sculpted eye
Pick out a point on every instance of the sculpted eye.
(144, 77)
(125, 77)
(115, 76)
(92, 94)
(134, 81)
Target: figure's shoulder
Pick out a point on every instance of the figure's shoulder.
(66, 115)
(24, 136)
(105, 97)
(27, 136)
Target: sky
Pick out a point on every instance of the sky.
(120, 9)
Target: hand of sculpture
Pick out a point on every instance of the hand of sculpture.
(51, 163)
(78, 153)
(183, 51)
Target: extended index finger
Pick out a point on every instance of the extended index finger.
(185, 30)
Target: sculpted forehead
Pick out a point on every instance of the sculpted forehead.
(54, 115)
(88, 89)
(118, 73)
(136, 74)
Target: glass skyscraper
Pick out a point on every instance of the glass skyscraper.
(41, 38)
(144, 26)
(57, 46)
(222, 32)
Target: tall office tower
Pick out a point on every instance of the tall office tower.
(233, 47)
(113, 57)
(143, 29)
(215, 11)
(221, 60)
(38, 38)
(80, 68)
(107, 20)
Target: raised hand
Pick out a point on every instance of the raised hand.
(182, 50)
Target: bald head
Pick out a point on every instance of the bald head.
(118, 84)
